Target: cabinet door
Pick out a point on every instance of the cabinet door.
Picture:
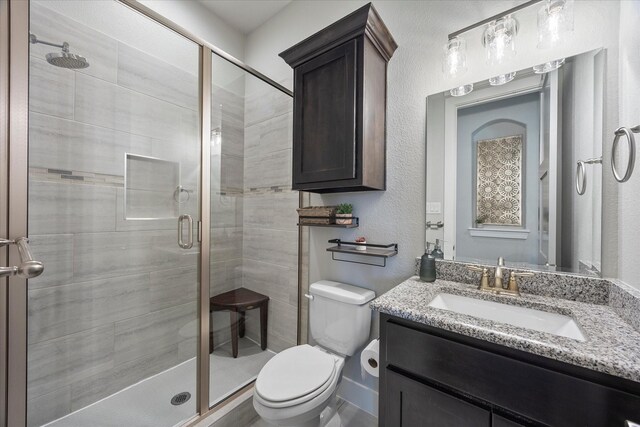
(324, 135)
(411, 403)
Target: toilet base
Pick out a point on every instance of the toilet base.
(329, 417)
(334, 421)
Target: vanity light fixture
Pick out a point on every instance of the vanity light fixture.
(555, 21)
(502, 79)
(499, 39)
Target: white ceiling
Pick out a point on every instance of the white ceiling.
(245, 15)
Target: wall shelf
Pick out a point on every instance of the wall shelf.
(372, 250)
(355, 222)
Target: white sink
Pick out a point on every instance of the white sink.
(543, 321)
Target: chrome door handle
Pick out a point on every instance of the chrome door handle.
(28, 268)
(181, 243)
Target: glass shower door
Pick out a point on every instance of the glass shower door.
(254, 263)
(114, 170)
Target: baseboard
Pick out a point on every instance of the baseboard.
(359, 395)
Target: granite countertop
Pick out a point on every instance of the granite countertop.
(612, 346)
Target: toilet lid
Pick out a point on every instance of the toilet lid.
(295, 372)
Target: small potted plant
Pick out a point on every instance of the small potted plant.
(344, 214)
(362, 242)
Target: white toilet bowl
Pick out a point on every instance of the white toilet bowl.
(297, 387)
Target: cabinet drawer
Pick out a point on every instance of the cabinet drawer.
(411, 404)
(537, 393)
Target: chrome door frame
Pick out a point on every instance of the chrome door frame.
(14, 115)
(4, 175)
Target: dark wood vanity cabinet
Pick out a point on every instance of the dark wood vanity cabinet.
(432, 377)
(339, 118)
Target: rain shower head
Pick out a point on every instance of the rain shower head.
(67, 60)
(64, 58)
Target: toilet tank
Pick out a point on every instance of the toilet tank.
(340, 316)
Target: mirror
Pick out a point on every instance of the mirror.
(522, 171)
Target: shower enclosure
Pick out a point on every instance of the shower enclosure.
(150, 172)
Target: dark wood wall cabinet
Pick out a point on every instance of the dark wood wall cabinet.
(339, 105)
(432, 377)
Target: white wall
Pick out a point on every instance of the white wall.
(415, 71)
(629, 197)
(202, 22)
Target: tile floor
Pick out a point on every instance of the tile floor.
(148, 403)
(350, 415)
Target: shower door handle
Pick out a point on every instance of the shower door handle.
(181, 220)
(28, 268)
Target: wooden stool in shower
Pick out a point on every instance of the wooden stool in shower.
(238, 301)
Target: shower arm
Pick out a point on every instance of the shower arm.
(35, 40)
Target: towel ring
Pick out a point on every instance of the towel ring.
(177, 195)
(581, 176)
(632, 152)
(581, 173)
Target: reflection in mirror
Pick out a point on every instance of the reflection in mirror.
(516, 158)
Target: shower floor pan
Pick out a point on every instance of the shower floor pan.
(149, 402)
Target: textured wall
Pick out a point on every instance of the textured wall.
(415, 71)
(629, 201)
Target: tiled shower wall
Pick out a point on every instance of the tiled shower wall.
(270, 235)
(227, 161)
(117, 300)
(256, 206)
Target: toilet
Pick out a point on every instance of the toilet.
(297, 387)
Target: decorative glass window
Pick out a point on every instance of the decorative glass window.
(499, 181)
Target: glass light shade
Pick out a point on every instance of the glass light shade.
(548, 66)
(502, 79)
(461, 90)
(499, 39)
(555, 22)
(454, 63)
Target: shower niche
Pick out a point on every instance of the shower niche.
(152, 188)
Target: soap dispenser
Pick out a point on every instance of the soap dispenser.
(437, 251)
(427, 266)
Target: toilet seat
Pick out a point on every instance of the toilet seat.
(295, 376)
